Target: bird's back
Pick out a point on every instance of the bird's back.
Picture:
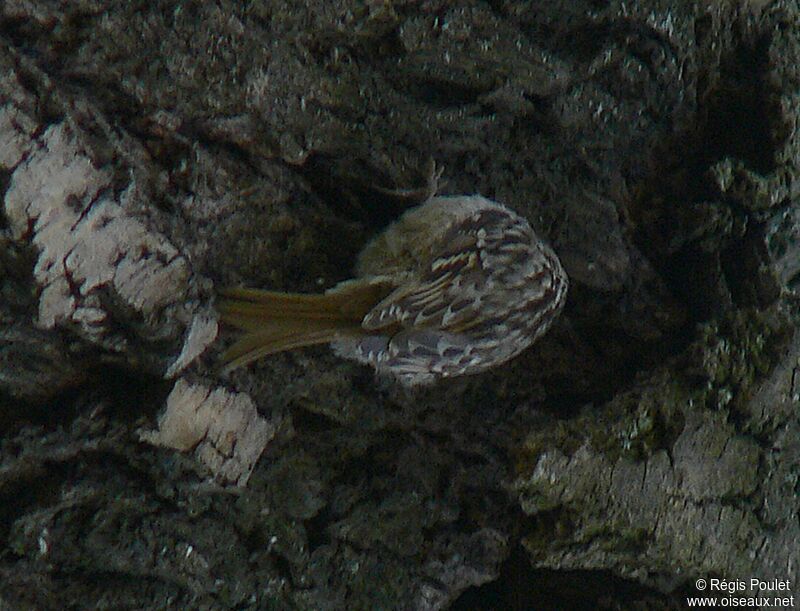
(410, 241)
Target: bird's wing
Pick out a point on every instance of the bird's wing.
(448, 293)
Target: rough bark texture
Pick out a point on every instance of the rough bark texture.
(151, 152)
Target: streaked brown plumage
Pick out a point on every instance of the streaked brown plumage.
(456, 286)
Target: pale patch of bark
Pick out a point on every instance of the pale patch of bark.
(202, 332)
(223, 428)
(64, 205)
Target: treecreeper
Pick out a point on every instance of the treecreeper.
(455, 286)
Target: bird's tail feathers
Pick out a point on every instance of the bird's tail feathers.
(273, 321)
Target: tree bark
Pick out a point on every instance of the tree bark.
(150, 155)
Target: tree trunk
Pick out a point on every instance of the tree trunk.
(150, 155)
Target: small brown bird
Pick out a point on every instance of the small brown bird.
(455, 286)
